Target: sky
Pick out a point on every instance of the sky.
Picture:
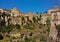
(29, 5)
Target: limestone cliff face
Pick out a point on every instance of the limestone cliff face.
(52, 14)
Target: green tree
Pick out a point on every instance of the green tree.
(1, 29)
(18, 27)
(34, 40)
(3, 21)
(34, 19)
(27, 18)
(48, 29)
(27, 39)
(5, 15)
(48, 24)
(40, 17)
(8, 19)
(8, 28)
(23, 20)
(30, 26)
(48, 21)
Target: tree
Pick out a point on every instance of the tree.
(1, 29)
(8, 28)
(33, 40)
(3, 15)
(23, 20)
(30, 26)
(34, 20)
(27, 18)
(8, 15)
(48, 29)
(48, 24)
(17, 27)
(48, 21)
(8, 19)
(3, 21)
(27, 39)
(40, 17)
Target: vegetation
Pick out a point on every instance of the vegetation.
(48, 29)
(48, 21)
(48, 24)
(40, 17)
(6, 28)
(34, 20)
(34, 40)
(18, 27)
(30, 26)
(27, 39)
(58, 27)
